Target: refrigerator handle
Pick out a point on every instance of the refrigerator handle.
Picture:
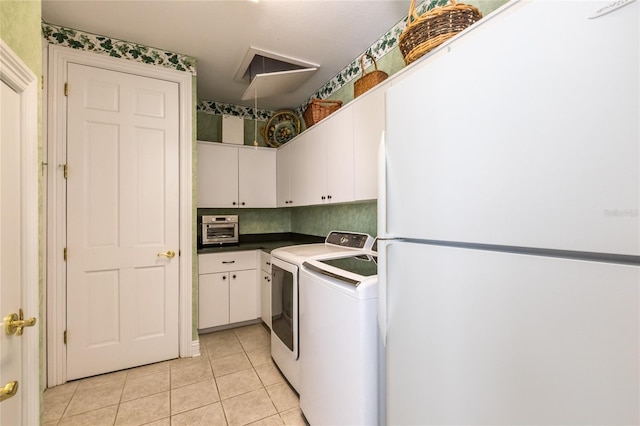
(382, 289)
(382, 187)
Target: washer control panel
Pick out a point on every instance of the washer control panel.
(353, 240)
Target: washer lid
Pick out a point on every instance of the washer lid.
(351, 269)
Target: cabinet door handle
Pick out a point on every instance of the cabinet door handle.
(224, 277)
(242, 203)
(233, 276)
(227, 262)
(329, 197)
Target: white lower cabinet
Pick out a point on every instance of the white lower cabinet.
(243, 296)
(213, 299)
(229, 290)
(265, 287)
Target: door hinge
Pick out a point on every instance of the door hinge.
(66, 89)
(42, 82)
(64, 254)
(65, 171)
(65, 337)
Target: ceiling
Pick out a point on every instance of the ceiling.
(219, 33)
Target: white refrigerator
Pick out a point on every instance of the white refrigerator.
(509, 224)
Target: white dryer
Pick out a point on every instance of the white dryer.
(285, 265)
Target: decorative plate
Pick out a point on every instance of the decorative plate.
(281, 128)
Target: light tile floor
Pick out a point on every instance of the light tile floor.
(233, 382)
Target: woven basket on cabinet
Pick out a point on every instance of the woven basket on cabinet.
(319, 109)
(424, 33)
(369, 79)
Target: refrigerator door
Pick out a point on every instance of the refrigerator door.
(481, 337)
(524, 134)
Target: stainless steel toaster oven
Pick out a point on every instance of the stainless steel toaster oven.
(218, 230)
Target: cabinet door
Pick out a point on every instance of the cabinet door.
(243, 296)
(256, 180)
(314, 152)
(297, 181)
(283, 175)
(217, 175)
(337, 136)
(322, 162)
(264, 260)
(213, 300)
(368, 124)
(265, 297)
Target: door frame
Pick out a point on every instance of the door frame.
(20, 78)
(58, 59)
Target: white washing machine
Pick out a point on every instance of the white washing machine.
(285, 264)
(338, 325)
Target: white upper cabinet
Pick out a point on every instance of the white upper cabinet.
(368, 125)
(236, 176)
(323, 163)
(298, 191)
(283, 176)
(338, 138)
(217, 175)
(290, 175)
(312, 166)
(334, 161)
(257, 177)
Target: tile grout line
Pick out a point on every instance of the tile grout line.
(224, 412)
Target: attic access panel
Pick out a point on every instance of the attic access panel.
(271, 73)
(275, 83)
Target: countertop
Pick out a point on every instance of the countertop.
(264, 242)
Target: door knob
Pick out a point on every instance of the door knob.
(14, 323)
(170, 254)
(9, 390)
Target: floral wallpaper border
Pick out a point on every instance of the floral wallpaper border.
(211, 107)
(384, 45)
(55, 34)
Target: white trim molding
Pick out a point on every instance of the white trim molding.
(59, 58)
(20, 78)
(195, 348)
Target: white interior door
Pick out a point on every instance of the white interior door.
(19, 390)
(122, 220)
(10, 274)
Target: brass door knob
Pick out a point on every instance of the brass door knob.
(14, 323)
(9, 390)
(170, 254)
